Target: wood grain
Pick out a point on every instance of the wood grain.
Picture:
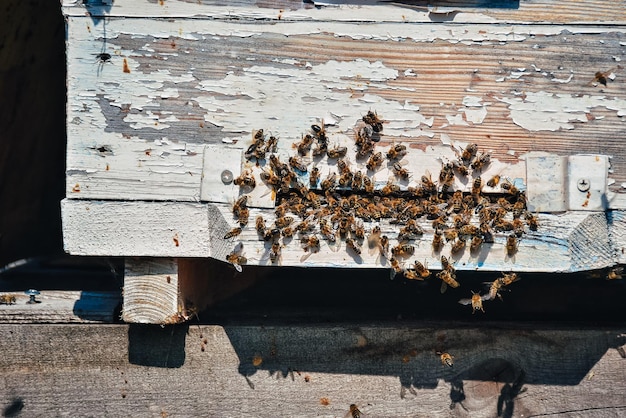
(388, 371)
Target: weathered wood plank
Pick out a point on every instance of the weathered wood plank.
(139, 133)
(242, 370)
(477, 11)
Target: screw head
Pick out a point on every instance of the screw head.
(33, 294)
(227, 176)
(583, 185)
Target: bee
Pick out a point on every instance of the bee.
(320, 150)
(468, 153)
(7, 299)
(396, 152)
(494, 289)
(374, 161)
(508, 278)
(275, 252)
(448, 279)
(400, 172)
(427, 184)
(450, 234)
(344, 225)
(518, 227)
(460, 168)
(329, 182)
(240, 204)
(320, 132)
(396, 268)
(354, 412)
(270, 179)
(272, 143)
(603, 77)
(372, 119)
(283, 222)
(531, 221)
(510, 188)
(337, 152)
(476, 301)
(390, 188)
(232, 233)
(310, 243)
(236, 258)
(359, 230)
(403, 250)
(357, 181)
(458, 246)
(481, 162)
(304, 146)
(326, 231)
(421, 270)
(368, 184)
(351, 244)
(494, 181)
(477, 241)
(613, 274)
(477, 185)
(378, 242)
(272, 234)
(287, 232)
(437, 241)
(511, 245)
(246, 179)
(314, 177)
(345, 180)
(244, 213)
(446, 359)
(305, 226)
(296, 162)
(468, 230)
(256, 149)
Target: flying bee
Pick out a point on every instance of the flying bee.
(372, 119)
(603, 77)
(476, 301)
(403, 250)
(421, 270)
(236, 258)
(378, 242)
(458, 246)
(613, 274)
(468, 153)
(494, 181)
(368, 184)
(351, 244)
(7, 299)
(400, 172)
(233, 233)
(396, 152)
(296, 162)
(447, 279)
(531, 221)
(374, 161)
(329, 182)
(508, 278)
(511, 245)
(446, 358)
(437, 241)
(283, 222)
(337, 152)
(314, 177)
(481, 162)
(246, 179)
(494, 289)
(304, 146)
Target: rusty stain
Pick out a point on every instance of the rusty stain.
(325, 401)
(148, 151)
(126, 69)
(307, 378)
(107, 167)
(176, 241)
(76, 188)
(585, 203)
(588, 195)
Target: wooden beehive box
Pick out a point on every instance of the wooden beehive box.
(166, 97)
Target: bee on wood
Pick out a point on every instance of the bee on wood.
(337, 152)
(494, 181)
(460, 168)
(7, 299)
(357, 181)
(275, 252)
(511, 245)
(304, 146)
(236, 258)
(421, 270)
(437, 243)
(283, 221)
(477, 241)
(287, 232)
(468, 153)
(400, 172)
(446, 358)
(450, 234)
(329, 182)
(368, 184)
(427, 184)
(280, 169)
(246, 179)
(615, 273)
(531, 221)
(509, 187)
(344, 225)
(458, 246)
(374, 161)
(476, 301)
(396, 152)
(353, 412)
(272, 144)
(320, 132)
(359, 230)
(233, 233)
(481, 162)
(326, 231)
(314, 177)
(272, 234)
(243, 216)
(240, 204)
(271, 179)
(603, 77)
(310, 243)
(372, 119)
(320, 150)
(390, 188)
(518, 227)
(403, 250)
(345, 180)
(296, 162)
(306, 225)
(351, 244)
(477, 186)
(378, 242)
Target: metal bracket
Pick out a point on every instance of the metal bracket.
(576, 182)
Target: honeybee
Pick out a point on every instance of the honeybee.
(508, 278)
(326, 231)
(390, 188)
(351, 244)
(283, 221)
(421, 270)
(357, 181)
(446, 358)
(372, 119)
(477, 185)
(603, 77)
(272, 234)
(481, 162)
(396, 268)
(345, 180)
(494, 289)
(396, 152)
(437, 241)
(329, 182)
(476, 301)
(468, 153)
(511, 245)
(450, 234)
(337, 152)
(379, 243)
(314, 177)
(509, 187)
(477, 241)
(287, 232)
(458, 246)
(518, 227)
(306, 225)
(460, 168)
(246, 179)
(296, 162)
(232, 233)
(531, 221)
(613, 274)
(236, 258)
(310, 243)
(271, 179)
(320, 150)
(244, 213)
(240, 204)
(7, 299)
(304, 146)
(374, 161)
(275, 252)
(353, 412)
(448, 279)
(400, 172)
(368, 184)
(427, 184)
(494, 181)
(403, 250)
(359, 230)
(272, 143)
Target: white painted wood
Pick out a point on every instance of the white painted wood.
(587, 172)
(547, 182)
(217, 159)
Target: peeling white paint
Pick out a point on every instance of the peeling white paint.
(542, 111)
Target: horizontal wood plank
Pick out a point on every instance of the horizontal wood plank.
(388, 371)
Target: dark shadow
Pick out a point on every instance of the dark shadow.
(157, 346)
(425, 4)
(14, 408)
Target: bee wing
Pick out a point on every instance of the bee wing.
(486, 296)
(444, 287)
(238, 267)
(306, 256)
(465, 301)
